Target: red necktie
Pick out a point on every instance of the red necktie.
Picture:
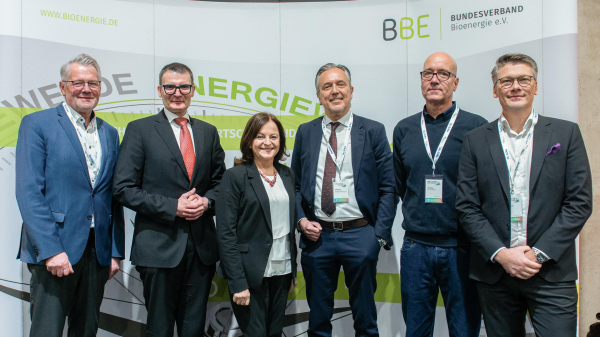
(327, 204)
(186, 146)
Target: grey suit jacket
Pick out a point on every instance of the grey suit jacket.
(560, 200)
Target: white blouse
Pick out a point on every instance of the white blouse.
(279, 262)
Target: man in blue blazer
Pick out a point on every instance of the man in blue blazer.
(346, 201)
(73, 235)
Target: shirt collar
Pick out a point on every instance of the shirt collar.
(344, 120)
(444, 116)
(526, 127)
(171, 116)
(77, 118)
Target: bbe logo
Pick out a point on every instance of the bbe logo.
(406, 28)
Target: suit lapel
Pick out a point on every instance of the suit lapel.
(166, 133)
(541, 140)
(64, 120)
(261, 193)
(358, 145)
(104, 147)
(316, 135)
(493, 139)
(198, 144)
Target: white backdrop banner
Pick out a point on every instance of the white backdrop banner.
(263, 56)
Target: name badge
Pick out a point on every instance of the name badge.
(516, 208)
(340, 191)
(434, 188)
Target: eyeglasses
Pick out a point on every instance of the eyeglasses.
(184, 89)
(442, 75)
(79, 85)
(507, 82)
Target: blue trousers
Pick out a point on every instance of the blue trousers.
(357, 251)
(425, 269)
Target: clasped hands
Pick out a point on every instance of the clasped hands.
(191, 206)
(519, 262)
(311, 229)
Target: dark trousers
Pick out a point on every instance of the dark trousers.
(552, 307)
(264, 315)
(425, 269)
(77, 296)
(357, 251)
(177, 296)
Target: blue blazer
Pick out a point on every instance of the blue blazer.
(372, 168)
(55, 195)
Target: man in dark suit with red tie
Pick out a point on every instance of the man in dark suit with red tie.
(169, 172)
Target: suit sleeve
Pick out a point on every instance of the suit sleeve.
(399, 171)
(388, 199)
(118, 221)
(129, 172)
(217, 167)
(227, 209)
(297, 169)
(468, 205)
(38, 220)
(577, 204)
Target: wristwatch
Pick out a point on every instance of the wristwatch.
(540, 256)
(382, 242)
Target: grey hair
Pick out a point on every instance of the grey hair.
(83, 59)
(329, 66)
(178, 68)
(514, 58)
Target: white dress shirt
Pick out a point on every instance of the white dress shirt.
(90, 143)
(279, 262)
(346, 210)
(177, 129)
(514, 143)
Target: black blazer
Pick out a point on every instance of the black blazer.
(560, 197)
(150, 176)
(244, 225)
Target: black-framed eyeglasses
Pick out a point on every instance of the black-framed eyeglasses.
(441, 75)
(78, 85)
(507, 82)
(184, 89)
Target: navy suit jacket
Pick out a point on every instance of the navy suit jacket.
(55, 195)
(372, 167)
(560, 197)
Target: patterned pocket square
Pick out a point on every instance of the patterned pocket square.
(554, 149)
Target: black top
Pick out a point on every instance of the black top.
(429, 223)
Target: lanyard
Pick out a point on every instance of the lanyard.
(339, 161)
(512, 175)
(438, 152)
(83, 137)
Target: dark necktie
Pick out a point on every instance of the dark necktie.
(327, 204)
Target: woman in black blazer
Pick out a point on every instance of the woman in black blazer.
(256, 214)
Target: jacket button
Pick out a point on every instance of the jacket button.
(93, 195)
(89, 217)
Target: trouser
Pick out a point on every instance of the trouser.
(357, 251)
(177, 296)
(77, 296)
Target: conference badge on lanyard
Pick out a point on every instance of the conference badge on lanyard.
(516, 208)
(434, 185)
(340, 191)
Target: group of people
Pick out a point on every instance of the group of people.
(490, 210)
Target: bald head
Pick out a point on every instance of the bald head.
(440, 59)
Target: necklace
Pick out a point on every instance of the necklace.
(271, 183)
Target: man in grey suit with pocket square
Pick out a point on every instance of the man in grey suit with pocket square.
(169, 172)
(524, 194)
